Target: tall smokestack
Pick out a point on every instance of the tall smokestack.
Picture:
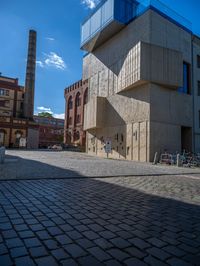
(30, 76)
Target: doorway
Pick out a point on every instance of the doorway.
(186, 139)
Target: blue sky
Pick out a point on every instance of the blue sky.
(59, 57)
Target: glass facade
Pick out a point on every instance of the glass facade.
(122, 12)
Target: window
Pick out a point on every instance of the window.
(186, 79)
(198, 61)
(4, 92)
(70, 103)
(78, 119)
(4, 103)
(70, 120)
(198, 87)
(78, 99)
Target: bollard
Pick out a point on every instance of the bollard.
(2, 155)
(155, 161)
(178, 162)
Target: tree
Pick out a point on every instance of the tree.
(45, 114)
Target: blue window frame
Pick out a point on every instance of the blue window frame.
(186, 79)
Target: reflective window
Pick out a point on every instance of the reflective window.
(186, 79)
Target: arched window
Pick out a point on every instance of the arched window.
(86, 96)
(70, 103)
(2, 137)
(78, 99)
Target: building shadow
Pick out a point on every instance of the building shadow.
(16, 167)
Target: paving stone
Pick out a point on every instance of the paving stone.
(135, 262)
(21, 227)
(32, 242)
(174, 251)
(14, 242)
(90, 235)
(59, 254)
(63, 239)
(158, 253)
(140, 243)
(112, 263)
(120, 243)
(18, 252)
(37, 227)
(156, 242)
(51, 244)
(9, 234)
(150, 260)
(3, 249)
(5, 226)
(74, 235)
(107, 234)
(5, 260)
(118, 254)
(22, 261)
(85, 243)
(54, 231)
(99, 253)
(74, 250)
(177, 262)
(46, 261)
(135, 252)
(89, 260)
(43, 235)
(193, 259)
(68, 262)
(26, 234)
(103, 243)
(39, 251)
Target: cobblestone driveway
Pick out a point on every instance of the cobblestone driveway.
(102, 221)
(47, 164)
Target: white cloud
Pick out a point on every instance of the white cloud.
(60, 116)
(44, 109)
(89, 3)
(52, 60)
(40, 63)
(50, 39)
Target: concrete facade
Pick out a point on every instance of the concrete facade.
(134, 98)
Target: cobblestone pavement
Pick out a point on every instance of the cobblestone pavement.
(47, 164)
(134, 221)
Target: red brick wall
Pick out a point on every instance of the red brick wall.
(74, 113)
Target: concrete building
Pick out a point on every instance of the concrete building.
(143, 71)
(51, 131)
(76, 96)
(17, 127)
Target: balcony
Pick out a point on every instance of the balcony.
(110, 16)
(94, 113)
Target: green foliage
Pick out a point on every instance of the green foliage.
(45, 114)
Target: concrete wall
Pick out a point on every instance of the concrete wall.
(196, 78)
(139, 71)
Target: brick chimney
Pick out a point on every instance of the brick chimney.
(30, 76)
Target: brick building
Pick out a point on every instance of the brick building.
(17, 127)
(76, 96)
(51, 130)
(13, 125)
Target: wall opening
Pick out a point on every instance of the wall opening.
(186, 139)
